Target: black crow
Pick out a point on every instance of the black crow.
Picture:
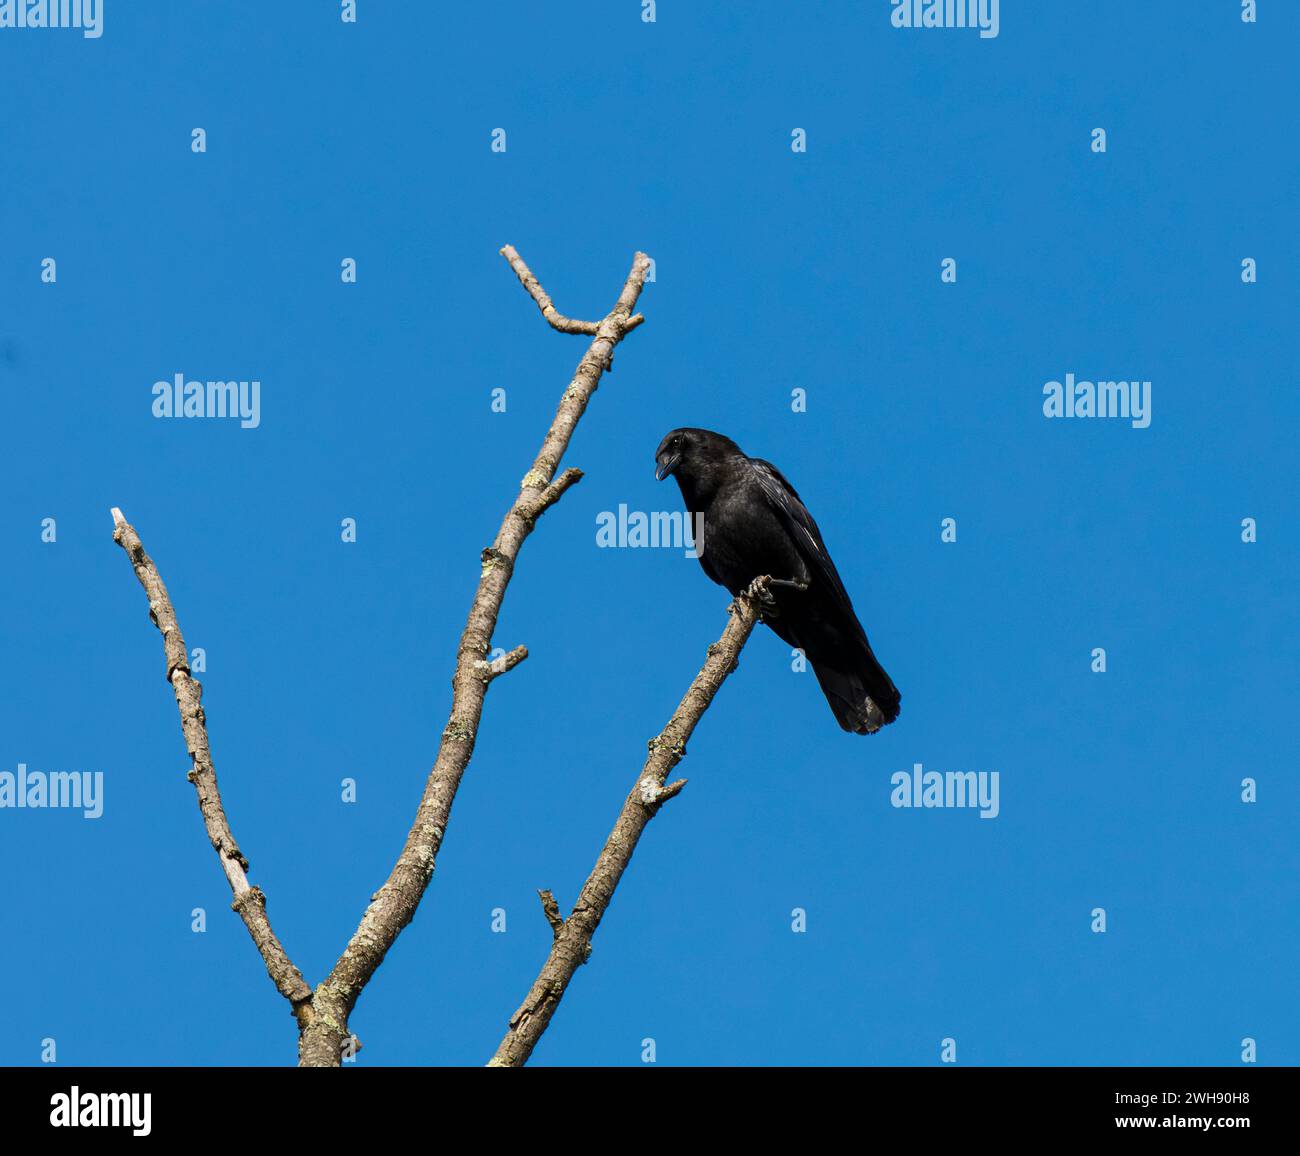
(753, 523)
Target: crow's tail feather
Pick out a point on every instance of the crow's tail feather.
(861, 695)
(863, 698)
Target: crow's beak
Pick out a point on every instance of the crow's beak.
(666, 465)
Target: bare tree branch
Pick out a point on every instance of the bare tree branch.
(250, 901)
(393, 905)
(544, 303)
(502, 665)
(323, 1014)
(572, 944)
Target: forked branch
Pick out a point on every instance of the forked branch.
(323, 1014)
(547, 306)
(393, 905)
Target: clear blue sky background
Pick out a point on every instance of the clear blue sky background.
(775, 271)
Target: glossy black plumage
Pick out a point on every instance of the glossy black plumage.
(754, 523)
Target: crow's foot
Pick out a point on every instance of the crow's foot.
(759, 591)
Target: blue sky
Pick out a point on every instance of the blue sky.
(775, 271)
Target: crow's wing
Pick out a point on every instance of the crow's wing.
(861, 694)
(803, 531)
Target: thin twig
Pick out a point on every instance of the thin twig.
(551, 910)
(249, 901)
(572, 943)
(393, 906)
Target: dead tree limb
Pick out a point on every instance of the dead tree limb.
(323, 1014)
(393, 905)
(250, 901)
(572, 936)
(544, 303)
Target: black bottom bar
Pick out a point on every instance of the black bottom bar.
(240, 1104)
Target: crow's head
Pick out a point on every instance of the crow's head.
(690, 453)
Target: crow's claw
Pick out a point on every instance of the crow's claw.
(759, 591)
